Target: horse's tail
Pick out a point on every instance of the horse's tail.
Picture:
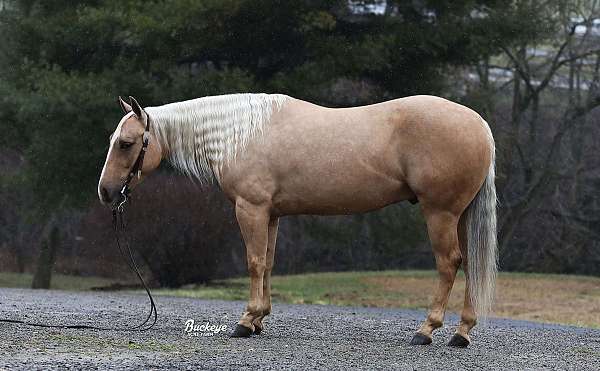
(482, 243)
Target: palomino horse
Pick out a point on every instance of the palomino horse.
(274, 155)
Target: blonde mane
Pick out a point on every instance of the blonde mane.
(199, 136)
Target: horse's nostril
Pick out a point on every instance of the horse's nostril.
(105, 195)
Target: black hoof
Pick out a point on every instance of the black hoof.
(458, 341)
(420, 339)
(257, 330)
(241, 332)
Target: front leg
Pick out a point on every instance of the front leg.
(258, 322)
(254, 221)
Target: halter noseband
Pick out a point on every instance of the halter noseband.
(137, 165)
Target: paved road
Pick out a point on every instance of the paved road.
(297, 337)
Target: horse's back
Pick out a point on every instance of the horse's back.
(414, 113)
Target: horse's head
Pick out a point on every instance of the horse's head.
(125, 149)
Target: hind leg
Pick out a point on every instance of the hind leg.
(467, 318)
(442, 230)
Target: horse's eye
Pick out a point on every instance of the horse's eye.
(125, 145)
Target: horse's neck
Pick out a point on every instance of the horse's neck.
(199, 136)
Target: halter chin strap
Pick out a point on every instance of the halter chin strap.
(137, 165)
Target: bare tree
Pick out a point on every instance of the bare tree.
(553, 86)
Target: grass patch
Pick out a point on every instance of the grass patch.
(564, 299)
(59, 281)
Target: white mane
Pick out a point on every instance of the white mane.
(199, 136)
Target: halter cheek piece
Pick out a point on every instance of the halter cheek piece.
(137, 166)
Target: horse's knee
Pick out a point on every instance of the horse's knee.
(256, 267)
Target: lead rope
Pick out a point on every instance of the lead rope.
(118, 223)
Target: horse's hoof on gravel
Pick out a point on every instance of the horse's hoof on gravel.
(257, 330)
(458, 341)
(241, 332)
(420, 339)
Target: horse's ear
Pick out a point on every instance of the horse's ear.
(137, 109)
(124, 105)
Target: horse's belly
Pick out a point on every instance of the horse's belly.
(334, 194)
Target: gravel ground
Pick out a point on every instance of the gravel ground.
(296, 337)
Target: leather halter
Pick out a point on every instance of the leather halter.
(137, 165)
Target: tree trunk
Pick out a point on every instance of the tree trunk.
(17, 252)
(43, 273)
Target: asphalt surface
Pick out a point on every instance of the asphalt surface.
(296, 337)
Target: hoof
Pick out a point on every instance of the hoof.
(420, 339)
(257, 330)
(241, 332)
(458, 341)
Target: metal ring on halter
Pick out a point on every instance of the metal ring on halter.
(125, 198)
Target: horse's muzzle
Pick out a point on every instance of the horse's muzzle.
(109, 196)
